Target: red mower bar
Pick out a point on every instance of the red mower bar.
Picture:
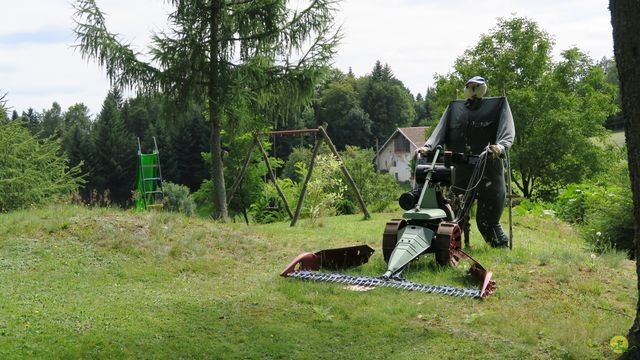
(306, 265)
(334, 259)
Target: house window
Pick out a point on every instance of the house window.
(401, 144)
(394, 163)
(397, 178)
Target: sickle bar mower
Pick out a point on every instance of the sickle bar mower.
(427, 226)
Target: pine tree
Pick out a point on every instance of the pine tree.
(51, 124)
(3, 110)
(31, 119)
(189, 140)
(32, 171)
(114, 157)
(76, 140)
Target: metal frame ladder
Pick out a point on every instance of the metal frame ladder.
(152, 196)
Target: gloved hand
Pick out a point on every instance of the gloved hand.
(422, 150)
(495, 151)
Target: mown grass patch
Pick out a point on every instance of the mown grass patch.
(85, 283)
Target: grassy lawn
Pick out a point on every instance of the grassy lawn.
(98, 283)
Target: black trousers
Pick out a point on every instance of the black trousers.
(490, 195)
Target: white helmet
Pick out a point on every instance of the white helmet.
(475, 87)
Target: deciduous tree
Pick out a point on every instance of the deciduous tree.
(387, 102)
(339, 107)
(558, 107)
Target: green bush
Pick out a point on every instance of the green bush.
(178, 199)
(574, 201)
(269, 207)
(33, 171)
(203, 198)
(379, 191)
(325, 188)
(604, 212)
(537, 208)
(298, 155)
(346, 207)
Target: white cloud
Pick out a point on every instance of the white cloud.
(417, 38)
(421, 38)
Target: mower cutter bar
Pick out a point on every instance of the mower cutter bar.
(392, 283)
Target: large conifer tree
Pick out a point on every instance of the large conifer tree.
(233, 53)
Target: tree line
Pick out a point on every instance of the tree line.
(105, 146)
(569, 99)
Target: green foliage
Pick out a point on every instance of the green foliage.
(378, 190)
(269, 207)
(536, 208)
(202, 197)
(76, 137)
(52, 122)
(186, 137)
(604, 211)
(387, 102)
(3, 109)
(570, 99)
(325, 188)
(298, 155)
(31, 119)
(574, 201)
(339, 107)
(346, 207)
(238, 56)
(33, 171)
(114, 160)
(251, 188)
(424, 107)
(177, 198)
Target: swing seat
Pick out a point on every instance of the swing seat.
(272, 204)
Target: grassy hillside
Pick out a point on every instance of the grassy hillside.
(111, 284)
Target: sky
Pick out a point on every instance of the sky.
(417, 38)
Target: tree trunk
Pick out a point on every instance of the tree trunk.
(626, 45)
(244, 213)
(217, 171)
(215, 114)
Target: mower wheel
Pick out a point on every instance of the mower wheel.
(390, 237)
(442, 258)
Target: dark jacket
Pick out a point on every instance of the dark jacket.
(466, 128)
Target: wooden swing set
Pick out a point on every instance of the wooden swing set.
(321, 130)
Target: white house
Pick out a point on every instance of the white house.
(396, 153)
